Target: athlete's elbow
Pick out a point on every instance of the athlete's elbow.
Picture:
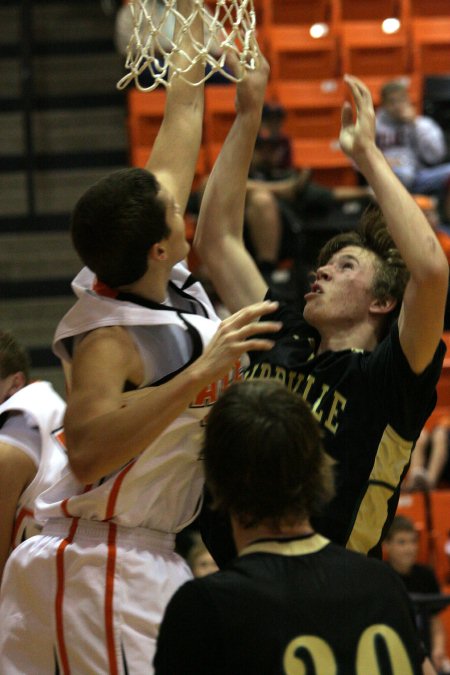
(81, 460)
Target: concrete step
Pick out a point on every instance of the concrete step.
(57, 131)
(33, 320)
(56, 191)
(29, 256)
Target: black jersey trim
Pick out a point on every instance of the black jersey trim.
(197, 350)
(151, 304)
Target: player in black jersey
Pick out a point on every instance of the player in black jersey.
(292, 602)
(366, 355)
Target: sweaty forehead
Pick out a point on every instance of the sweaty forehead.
(362, 255)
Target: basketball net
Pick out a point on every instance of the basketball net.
(158, 28)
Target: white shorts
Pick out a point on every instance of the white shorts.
(86, 597)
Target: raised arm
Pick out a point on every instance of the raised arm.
(219, 233)
(422, 313)
(174, 154)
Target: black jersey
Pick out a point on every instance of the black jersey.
(371, 407)
(285, 607)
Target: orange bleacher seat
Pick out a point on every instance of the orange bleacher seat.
(431, 44)
(295, 55)
(145, 113)
(220, 111)
(429, 8)
(313, 107)
(297, 12)
(443, 385)
(219, 115)
(367, 51)
(440, 501)
(372, 10)
(323, 155)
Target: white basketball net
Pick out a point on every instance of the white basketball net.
(157, 28)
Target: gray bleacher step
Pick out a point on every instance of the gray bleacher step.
(35, 256)
(56, 191)
(77, 73)
(33, 320)
(58, 131)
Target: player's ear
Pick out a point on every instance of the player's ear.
(17, 381)
(158, 251)
(384, 306)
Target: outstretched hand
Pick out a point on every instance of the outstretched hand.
(250, 91)
(359, 134)
(236, 335)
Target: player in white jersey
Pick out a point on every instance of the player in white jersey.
(87, 596)
(31, 458)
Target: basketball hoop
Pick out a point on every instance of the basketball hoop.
(158, 27)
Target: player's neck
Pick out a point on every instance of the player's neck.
(338, 338)
(244, 536)
(151, 286)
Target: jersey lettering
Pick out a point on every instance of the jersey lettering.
(209, 395)
(327, 410)
(309, 651)
(312, 649)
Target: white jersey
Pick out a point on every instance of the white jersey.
(44, 409)
(104, 568)
(161, 488)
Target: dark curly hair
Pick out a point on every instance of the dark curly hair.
(263, 455)
(115, 223)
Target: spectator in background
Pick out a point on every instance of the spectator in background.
(430, 465)
(30, 456)
(401, 548)
(413, 144)
(199, 558)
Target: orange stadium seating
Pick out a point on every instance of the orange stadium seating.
(295, 55)
(367, 51)
(431, 44)
(313, 107)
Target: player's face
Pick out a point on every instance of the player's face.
(402, 550)
(178, 247)
(342, 294)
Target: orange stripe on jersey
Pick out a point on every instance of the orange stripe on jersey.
(109, 599)
(23, 513)
(64, 508)
(102, 289)
(60, 596)
(64, 503)
(115, 490)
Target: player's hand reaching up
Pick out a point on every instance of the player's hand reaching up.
(357, 135)
(250, 92)
(236, 335)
